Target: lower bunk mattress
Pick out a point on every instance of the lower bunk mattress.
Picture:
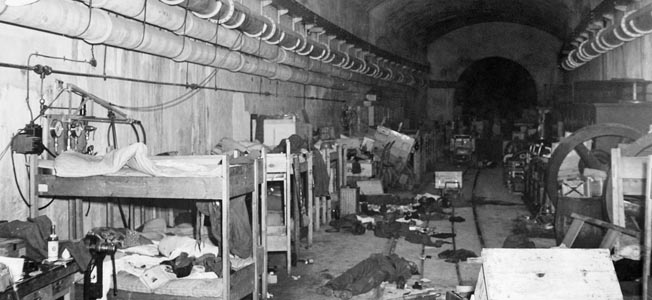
(130, 287)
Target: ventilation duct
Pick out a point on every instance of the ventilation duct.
(65, 17)
(236, 16)
(260, 48)
(632, 25)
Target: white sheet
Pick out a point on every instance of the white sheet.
(133, 161)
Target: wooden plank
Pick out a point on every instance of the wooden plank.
(263, 222)
(296, 197)
(32, 186)
(647, 240)
(276, 162)
(287, 202)
(79, 218)
(317, 213)
(617, 202)
(606, 225)
(277, 243)
(633, 167)
(241, 283)
(547, 274)
(572, 232)
(633, 186)
(226, 231)
(276, 230)
(341, 153)
(255, 228)
(609, 239)
(147, 187)
(139, 187)
(309, 195)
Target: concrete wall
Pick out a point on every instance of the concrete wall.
(346, 14)
(451, 54)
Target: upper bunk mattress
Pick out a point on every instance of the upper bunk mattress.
(133, 161)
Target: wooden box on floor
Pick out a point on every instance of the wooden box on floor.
(348, 201)
(547, 274)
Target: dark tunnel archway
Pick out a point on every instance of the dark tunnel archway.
(495, 87)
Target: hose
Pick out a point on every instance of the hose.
(142, 130)
(111, 135)
(133, 127)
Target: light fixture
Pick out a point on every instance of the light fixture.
(19, 2)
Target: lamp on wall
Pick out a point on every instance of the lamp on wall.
(19, 2)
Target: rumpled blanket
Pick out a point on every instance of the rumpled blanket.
(172, 246)
(134, 156)
(240, 239)
(35, 232)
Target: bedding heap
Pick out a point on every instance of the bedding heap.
(166, 261)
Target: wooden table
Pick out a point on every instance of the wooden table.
(52, 284)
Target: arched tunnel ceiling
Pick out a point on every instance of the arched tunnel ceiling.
(427, 20)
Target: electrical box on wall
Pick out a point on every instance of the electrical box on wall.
(29, 140)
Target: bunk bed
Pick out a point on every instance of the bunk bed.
(278, 234)
(244, 177)
(334, 158)
(280, 168)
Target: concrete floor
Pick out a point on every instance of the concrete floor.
(334, 253)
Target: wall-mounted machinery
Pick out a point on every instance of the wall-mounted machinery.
(70, 128)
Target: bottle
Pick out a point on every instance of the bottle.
(53, 245)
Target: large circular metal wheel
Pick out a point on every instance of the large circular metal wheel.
(588, 159)
(576, 142)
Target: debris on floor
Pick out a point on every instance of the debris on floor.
(369, 274)
(454, 256)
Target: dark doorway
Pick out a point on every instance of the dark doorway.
(495, 87)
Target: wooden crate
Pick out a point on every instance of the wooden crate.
(547, 274)
(446, 179)
(348, 201)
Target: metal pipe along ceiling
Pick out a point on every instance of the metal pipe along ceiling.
(632, 25)
(189, 38)
(235, 15)
(68, 18)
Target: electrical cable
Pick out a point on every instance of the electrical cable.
(20, 191)
(170, 103)
(133, 127)
(88, 210)
(48, 150)
(48, 204)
